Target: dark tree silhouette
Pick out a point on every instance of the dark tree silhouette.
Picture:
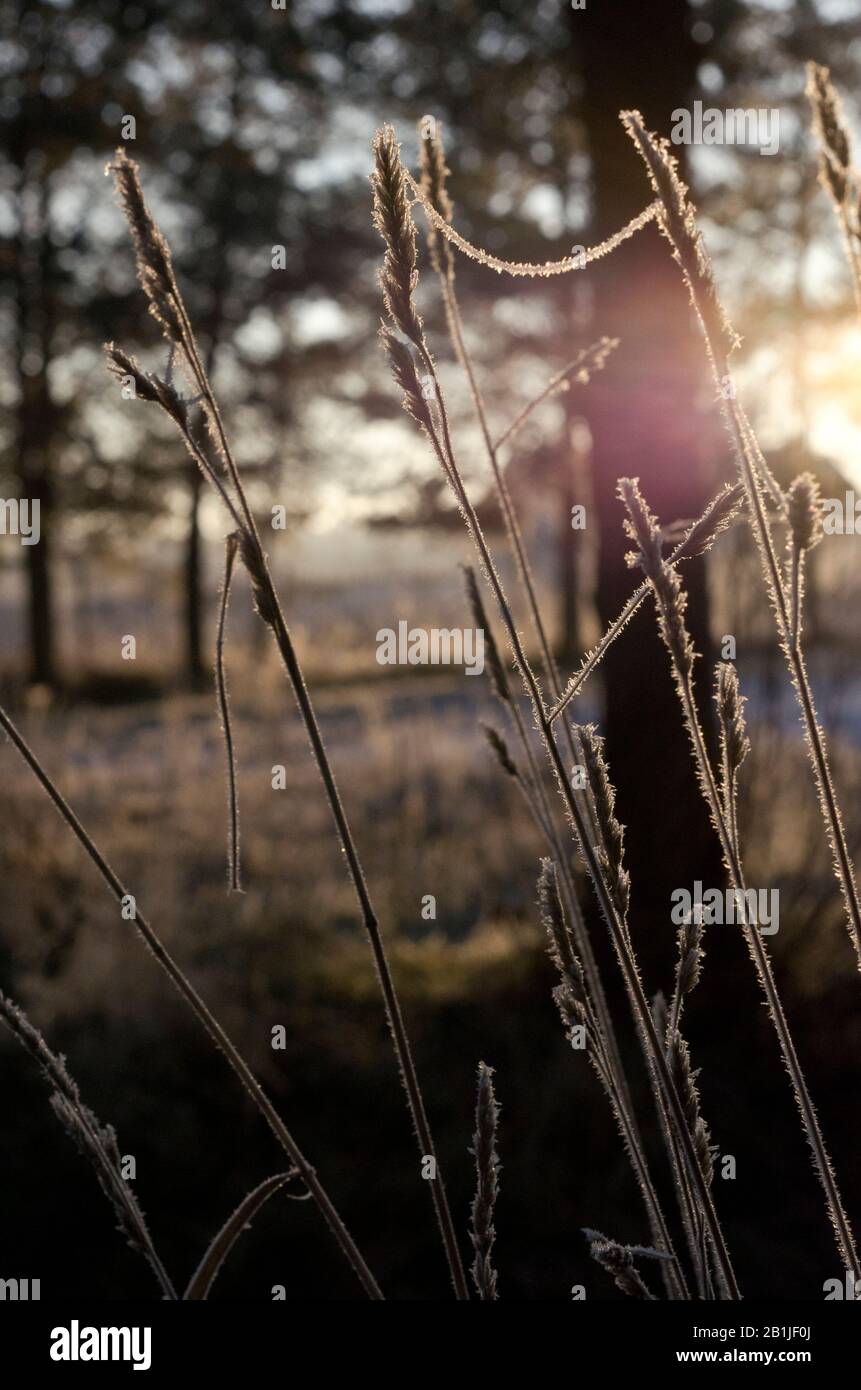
(647, 417)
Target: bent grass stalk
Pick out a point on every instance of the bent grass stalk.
(223, 1241)
(234, 872)
(155, 272)
(529, 268)
(204, 1016)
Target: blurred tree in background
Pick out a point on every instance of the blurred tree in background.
(221, 110)
(253, 126)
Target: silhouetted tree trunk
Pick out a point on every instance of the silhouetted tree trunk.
(645, 411)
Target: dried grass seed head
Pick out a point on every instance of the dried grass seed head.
(618, 1260)
(690, 936)
(835, 153)
(152, 253)
(487, 1168)
(552, 916)
(804, 512)
(255, 563)
(611, 854)
(718, 516)
(685, 1080)
(500, 750)
(498, 678)
(434, 174)
(147, 386)
(570, 995)
(730, 703)
(660, 1013)
(643, 529)
(404, 371)
(394, 221)
(575, 1014)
